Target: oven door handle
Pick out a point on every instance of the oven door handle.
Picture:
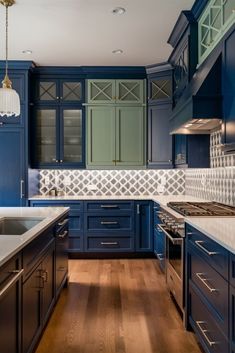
(174, 241)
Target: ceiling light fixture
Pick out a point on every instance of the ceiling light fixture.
(117, 51)
(27, 51)
(118, 11)
(9, 98)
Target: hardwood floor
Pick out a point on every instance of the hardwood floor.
(116, 306)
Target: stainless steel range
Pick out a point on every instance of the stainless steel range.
(172, 225)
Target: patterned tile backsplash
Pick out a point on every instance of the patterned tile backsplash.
(217, 156)
(113, 182)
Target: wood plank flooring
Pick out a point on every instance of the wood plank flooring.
(116, 306)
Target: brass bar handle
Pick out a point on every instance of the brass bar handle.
(210, 253)
(109, 243)
(211, 343)
(63, 235)
(108, 206)
(204, 281)
(18, 274)
(108, 222)
(63, 223)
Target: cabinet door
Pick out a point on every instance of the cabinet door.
(46, 91)
(101, 136)
(160, 89)
(72, 137)
(159, 139)
(12, 160)
(10, 303)
(129, 91)
(101, 91)
(130, 133)
(144, 226)
(48, 293)
(71, 91)
(31, 320)
(46, 136)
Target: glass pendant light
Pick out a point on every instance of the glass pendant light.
(9, 98)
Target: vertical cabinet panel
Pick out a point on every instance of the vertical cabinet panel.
(48, 293)
(101, 136)
(159, 139)
(144, 226)
(130, 136)
(12, 160)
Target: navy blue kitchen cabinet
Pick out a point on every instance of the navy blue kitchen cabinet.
(13, 178)
(10, 306)
(58, 128)
(192, 151)
(159, 245)
(184, 56)
(76, 236)
(109, 226)
(144, 226)
(228, 89)
(207, 291)
(159, 110)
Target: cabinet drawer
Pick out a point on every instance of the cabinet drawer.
(212, 285)
(108, 224)
(212, 252)
(109, 206)
(110, 244)
(202, 321)
(74, 206)
(232, 270)
(75, 244)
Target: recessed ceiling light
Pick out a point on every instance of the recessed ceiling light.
(118, 11)
(117, 51)
(27, 51)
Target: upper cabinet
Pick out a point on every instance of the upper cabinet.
(57, 129)
(63, 91)
(160, 88)
(216, 19)
(115, 91)
(184, 55)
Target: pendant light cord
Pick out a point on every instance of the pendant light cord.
(6, 40)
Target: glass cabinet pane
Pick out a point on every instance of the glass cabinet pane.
(72, 135)
(46, 135)
(229, 7)
(47, 91)
(71, 91)
(160, 89)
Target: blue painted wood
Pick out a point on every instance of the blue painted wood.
(217, 300)
(109, 244)
(232, 270)
(144, 226)
(192, 151)
(219, 261)
(232, 318)
(159, 140)
(159, 238)
(13, 166)
(120, 224)
(228, 88)
(108, 207)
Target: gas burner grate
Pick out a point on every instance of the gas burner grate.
(198, 209)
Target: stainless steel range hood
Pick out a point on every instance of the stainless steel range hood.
(199, 110)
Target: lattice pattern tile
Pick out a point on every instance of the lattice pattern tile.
(215, 184)
(113, 182)
(217, 156)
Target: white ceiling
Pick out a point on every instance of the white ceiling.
(84, 32)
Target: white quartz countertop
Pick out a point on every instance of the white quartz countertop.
(12, 244)
(220, 229)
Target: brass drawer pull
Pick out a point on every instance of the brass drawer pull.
(204, 281)
(108, 222)
(199, 323)
(210, 253)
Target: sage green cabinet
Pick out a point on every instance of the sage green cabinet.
(115, 91)
(217, 18)
(115, 136)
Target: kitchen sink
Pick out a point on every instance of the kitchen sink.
(17, 225)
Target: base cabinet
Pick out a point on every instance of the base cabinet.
(10, 302)
(159, 245)
(144, 230)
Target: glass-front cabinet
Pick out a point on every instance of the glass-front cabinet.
(58, 138)
(217, 18)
